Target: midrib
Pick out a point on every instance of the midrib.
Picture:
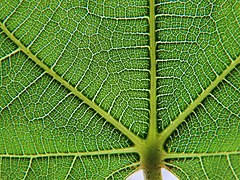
(151, 153)
(152, 133)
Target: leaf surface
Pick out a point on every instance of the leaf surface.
(101, 89)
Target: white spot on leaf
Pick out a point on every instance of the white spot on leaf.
(167, 175)
(138, 175)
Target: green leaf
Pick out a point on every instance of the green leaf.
(101, 89)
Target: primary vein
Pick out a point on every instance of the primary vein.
(134, 138)
(152, 133)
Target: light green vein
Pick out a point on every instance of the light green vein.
(181, 118)
(192, 155)
(90, 153)
(179, 168)
(10, 54)
(122, 168)
(134, 138)
(230, 165)
(204, 171)
(150, 154)
(29, 166)
(70, 169)
(152, 132)
(21, 92)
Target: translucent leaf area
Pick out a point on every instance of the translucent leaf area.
(104, 89)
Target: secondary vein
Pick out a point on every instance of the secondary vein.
(90, 153)
(192, 155)
(134, 138)
(181, 118)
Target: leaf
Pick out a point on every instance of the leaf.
(101, 89)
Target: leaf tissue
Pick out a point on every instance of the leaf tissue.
(98, 89)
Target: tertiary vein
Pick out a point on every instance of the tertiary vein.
(10, 54)
(122, 168)
(134, 138)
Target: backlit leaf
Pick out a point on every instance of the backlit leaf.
(101, 89)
